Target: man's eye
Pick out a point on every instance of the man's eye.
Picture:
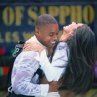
(51, 34)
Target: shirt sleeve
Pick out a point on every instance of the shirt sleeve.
(54, 70)
(24, 68)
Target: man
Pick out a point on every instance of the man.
(24, 82)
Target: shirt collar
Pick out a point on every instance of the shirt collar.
(34, 38)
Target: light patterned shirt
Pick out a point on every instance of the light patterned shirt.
(23, 80)
(28, 62)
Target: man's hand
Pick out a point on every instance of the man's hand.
(53, 86)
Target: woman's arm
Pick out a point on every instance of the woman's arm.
(54, 70)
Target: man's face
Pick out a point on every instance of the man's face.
(48, 35)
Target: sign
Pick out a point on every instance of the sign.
(17, 21)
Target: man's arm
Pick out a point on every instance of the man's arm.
(24, 68)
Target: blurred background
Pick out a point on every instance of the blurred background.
(17, 20)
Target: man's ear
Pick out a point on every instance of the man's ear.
(36, 30)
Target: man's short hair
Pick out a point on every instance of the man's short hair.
(45, 20)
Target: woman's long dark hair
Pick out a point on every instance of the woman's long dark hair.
(79, 74)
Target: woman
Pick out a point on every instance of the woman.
(79, 74)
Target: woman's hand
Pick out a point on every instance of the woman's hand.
(33, 46)
(68, 31)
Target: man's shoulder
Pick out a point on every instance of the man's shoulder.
(30, 39)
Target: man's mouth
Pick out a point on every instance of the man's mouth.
(53, 43)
